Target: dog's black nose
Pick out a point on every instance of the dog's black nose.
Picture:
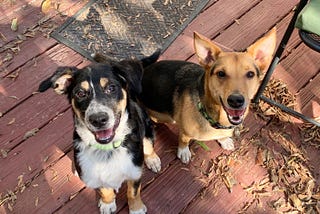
(99, 120)
(236, 100)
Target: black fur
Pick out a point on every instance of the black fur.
(178, 76)
(125, 74)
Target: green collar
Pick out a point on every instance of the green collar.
(109, 146)
(213, 123)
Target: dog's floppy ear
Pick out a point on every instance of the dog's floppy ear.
(262, 50)
(206, 50)
(59, 81)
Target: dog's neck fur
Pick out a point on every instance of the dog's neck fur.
(211, 103)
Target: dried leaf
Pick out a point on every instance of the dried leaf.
(3, 37)
(14, 24)
(229, 181)
(12, 121)
(46, 6)
(296, 202)
(13, 76)
(7, 58)
(4, 153)
(45, 159)
(14, 97)
(10, 207)
(72, 196)
(30, 133)
(20, 180)
(36, 201)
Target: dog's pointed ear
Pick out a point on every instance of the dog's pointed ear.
(206, 50)
(151, 59)
(262, 50)
(101, 58)
(59, 81)
(130, 72)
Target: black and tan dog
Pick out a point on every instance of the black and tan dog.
(113, 134)
(206, 101)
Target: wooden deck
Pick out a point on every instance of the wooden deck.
(36, 129)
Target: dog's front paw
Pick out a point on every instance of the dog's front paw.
(226, 143)
(153, 163)
(184, 154)
(107, 208)
(143, 210)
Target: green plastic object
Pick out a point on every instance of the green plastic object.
(309, 18)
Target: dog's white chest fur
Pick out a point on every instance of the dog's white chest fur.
(99, 171)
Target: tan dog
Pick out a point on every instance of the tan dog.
(208, 101)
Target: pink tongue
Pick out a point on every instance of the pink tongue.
(104, 134)
(236, 113)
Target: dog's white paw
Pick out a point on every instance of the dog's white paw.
(184, 154)
(153, 163)
(226, 143)
(143, 210)
(107, 208)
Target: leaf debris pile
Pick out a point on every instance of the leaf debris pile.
(289, 174)
(279, 92)
(311, 134)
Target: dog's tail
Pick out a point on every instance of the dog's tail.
(151, 59)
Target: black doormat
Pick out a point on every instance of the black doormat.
(127, 28)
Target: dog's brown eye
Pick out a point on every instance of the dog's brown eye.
(110, 89)
(81, 94)
(250, 74)
(221, 74)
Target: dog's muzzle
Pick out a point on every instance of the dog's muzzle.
(235, 108)
(102, 134)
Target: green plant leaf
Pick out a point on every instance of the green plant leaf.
(204, 146)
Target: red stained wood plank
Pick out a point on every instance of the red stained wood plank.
(29, 13)
(85, 202)
(31, 74)
(210, 23)
(255, 23)
(312, 108)
(309, 97)
(37, 152)
(295, 65)
(182, 188)
(50, 190)
(38, 45)
(34, 113)
(244, 32)
(217, 199)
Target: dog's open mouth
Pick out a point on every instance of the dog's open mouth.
(235, 116)
(106, 135)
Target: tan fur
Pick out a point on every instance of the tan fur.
(134, 199)
(123, 103)
(85, 85)
(107, 195)
(103, 82)
(61, 83)
(236, 65)
(75, 109)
